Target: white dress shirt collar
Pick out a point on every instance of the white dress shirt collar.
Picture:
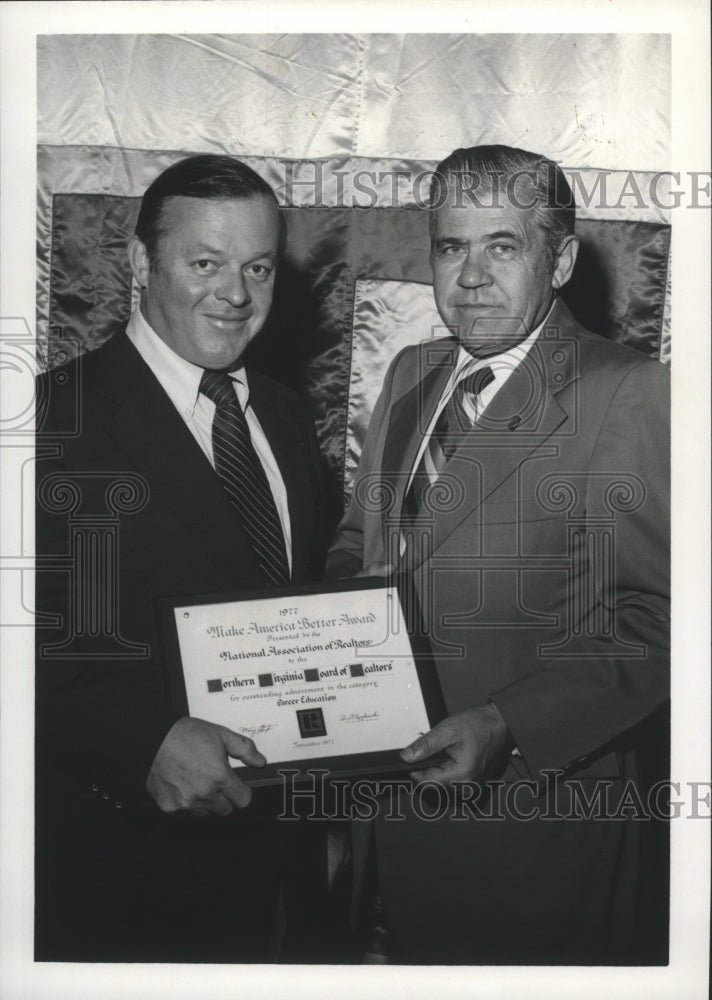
(179, 378)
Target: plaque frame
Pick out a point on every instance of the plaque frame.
(370, 763)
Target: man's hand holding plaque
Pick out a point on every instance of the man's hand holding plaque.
(191, 771)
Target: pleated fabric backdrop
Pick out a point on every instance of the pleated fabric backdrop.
(346, 129)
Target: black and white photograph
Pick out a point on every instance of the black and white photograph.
(353, 621)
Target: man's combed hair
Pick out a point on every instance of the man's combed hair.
(207, 175)
(481, 174)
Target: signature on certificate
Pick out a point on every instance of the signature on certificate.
(257, 730)
(359, 717)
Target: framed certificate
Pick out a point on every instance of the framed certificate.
(337, 677)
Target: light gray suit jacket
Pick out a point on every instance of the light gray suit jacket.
(542, 573)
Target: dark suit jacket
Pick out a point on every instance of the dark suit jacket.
(542, 572)
(131, 505)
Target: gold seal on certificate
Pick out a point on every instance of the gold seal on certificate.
(337, 678)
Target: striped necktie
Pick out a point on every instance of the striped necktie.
(455, 421)
(244, 478)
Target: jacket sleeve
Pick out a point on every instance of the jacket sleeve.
(569, 708)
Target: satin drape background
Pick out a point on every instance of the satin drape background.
(343, 126)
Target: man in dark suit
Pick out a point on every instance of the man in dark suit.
(166, 469)
(518, 475)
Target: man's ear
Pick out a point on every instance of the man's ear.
(565, 260)
(138, 259)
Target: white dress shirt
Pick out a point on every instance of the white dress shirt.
(181, 381)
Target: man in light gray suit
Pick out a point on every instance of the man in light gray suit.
(525, 465)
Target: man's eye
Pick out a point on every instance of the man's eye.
(259, 271)
(450, 249)
(502, 249)
(204, 265)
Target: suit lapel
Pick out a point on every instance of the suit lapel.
(147, 427)
(521, 418)
(409, 419)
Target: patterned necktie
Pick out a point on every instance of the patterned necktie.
(460, 413)
(244, 478)
(456, 419)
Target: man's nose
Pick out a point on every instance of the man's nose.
(474, 271)
(233, 288)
